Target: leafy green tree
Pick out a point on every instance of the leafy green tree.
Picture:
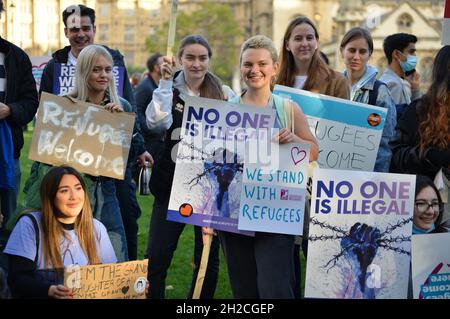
(216, 22)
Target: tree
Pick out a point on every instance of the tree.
(216, 22)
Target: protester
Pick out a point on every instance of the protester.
(421, 144)
(164, 113)
(356, 49)
(262, 266)
(80, 31)
(134, 80)
(302, 67)
(18, 105)
(154, 141)
(400, 52)
(62, 233)
(426, 220)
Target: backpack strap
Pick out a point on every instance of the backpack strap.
(236, 99)
(279, 105)
(36, 231)
(373, 94)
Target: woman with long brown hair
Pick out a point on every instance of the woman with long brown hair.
(421, 144)
(62, 233)
(302, 67)
(165, 113)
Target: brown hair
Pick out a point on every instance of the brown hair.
(52, 231)
(357, 33)
(286, 75)
(434, 127)
(211, 86)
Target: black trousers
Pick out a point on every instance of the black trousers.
(163, 240)
(260, 266)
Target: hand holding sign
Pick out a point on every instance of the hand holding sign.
(168, 68)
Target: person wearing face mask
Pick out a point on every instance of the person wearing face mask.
(400, 51)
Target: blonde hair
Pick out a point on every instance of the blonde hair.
(260, 42)
(52, 231)
(85, 64)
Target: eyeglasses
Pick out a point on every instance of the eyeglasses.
(423, 206)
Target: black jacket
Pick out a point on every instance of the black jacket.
(405, 147)
(21, 94)
(143, 95)
(62, 55)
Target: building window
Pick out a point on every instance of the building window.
(103, 32)
(103, 9)
(129, 57)
(404, 23)
(129, 33)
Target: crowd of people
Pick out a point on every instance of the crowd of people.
(83, 219)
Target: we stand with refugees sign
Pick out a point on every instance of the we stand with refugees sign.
(273, 197)
(431, 266)
(348, 132)
(83, 135)
(360, 235)
(64, 78)
(206, 189)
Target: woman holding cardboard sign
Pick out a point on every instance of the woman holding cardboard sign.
(262, 266)
(62, 233)
(165, 113)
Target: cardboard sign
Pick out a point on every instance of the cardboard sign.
(207, 183)
(108, 281)
(446, 24)
(64, 78)
(82, 135)
(273, 198)
(431, 266)
(359, 235)
(348, 132)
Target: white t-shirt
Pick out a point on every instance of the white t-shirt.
(300, 81)
(22, 242)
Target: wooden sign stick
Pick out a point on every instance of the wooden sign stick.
(172, 28)
(203, 266)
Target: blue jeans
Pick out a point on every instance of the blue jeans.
(8, 201)
(105, 208)
(163, 240)
(130, 211)
(260, 266)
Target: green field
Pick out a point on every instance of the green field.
(180, 273)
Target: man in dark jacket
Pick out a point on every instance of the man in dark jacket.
(143, 94)
(79, 22)
(18, 105)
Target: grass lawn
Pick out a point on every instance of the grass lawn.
(180, 273)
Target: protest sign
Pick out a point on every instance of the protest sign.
(108, 281)
(64, 78)
(431, 266)
(82, 135)
(37, 66)
(207, 183)
(348, 132)
(360, 235)
(273, 198)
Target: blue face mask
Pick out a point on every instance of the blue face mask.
(409, 64)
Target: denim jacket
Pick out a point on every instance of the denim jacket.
(360, 93)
